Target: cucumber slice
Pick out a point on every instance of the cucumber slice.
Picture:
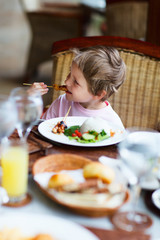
(88, 136)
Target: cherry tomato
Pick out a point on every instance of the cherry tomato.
(74, 135)
(79, 134)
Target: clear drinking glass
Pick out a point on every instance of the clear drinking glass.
(138, 153)
(8, 116)
(29, 106)
(14, 161)
(8, 120)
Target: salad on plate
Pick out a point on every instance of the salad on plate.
(93, 130)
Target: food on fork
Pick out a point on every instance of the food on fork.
(99, 171)
(60, 87)
(59, 180)
(55, 86)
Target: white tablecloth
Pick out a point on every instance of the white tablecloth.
(42, 204)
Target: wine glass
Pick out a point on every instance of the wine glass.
(29, 106)
(138, 153)
(8, 117)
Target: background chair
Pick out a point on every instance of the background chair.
(127, 18)
(49, 22)
(138, 19)
(138, 99)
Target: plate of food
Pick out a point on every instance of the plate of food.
(29, 226)
(82, 131)
(79, 184)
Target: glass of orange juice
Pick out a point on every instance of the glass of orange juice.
(14, 161)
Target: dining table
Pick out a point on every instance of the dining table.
(102, 227)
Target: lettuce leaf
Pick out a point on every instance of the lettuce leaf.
(97, 138)
(70, 130)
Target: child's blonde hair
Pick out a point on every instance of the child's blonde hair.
(102, 67)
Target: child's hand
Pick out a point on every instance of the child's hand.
(41, 87)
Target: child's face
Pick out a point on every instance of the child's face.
(77, 86)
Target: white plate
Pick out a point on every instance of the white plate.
(156, 198)
(58, 228)
(45, 129)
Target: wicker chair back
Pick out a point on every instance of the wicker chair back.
(138, 99)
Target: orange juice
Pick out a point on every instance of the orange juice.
(15, 170)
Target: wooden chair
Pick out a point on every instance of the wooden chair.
(138, 99)
(127, 18)
(49, 22)
(138, 19)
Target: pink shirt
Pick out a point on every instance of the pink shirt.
(61, 105)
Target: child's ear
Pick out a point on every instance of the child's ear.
(101, 94)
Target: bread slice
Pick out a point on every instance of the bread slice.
(59, 180)
(100, 171)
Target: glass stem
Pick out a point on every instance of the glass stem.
(135, 192)
(20, 132)
(24, 133)
(27, 132)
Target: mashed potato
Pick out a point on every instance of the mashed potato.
(97, 124)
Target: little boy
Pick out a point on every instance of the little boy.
(96, 73)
